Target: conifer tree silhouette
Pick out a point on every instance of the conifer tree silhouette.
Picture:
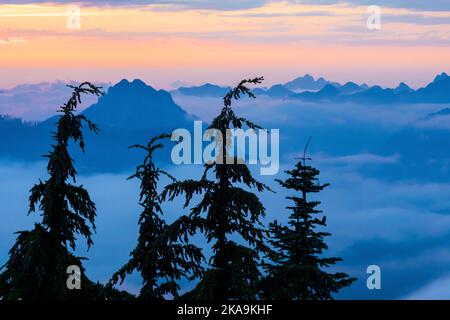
(38, 261)
(227, 209)
(296, 270)
(163, 255)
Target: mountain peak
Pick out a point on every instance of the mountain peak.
(402, 87)
(178, 83)
(349, 87)
(306, 82)
(204, 90)
(278, 91)
(440, 77)
(125, 86)
(209, 85)
(123, 82)
(137, 105)
(138, 82)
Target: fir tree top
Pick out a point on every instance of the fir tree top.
(162, 255)
(66, 207)
(36, 269)
(297, 269)
(227, 208)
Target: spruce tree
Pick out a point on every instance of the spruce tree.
(297, 270)
(162, 256)
(228, 208)
(38, 261)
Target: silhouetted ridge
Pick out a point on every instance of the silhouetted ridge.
(307, 82)
(440, 77)
(350, 87)
(135, 105)
(205, 90)
(129, 112)
(402, 88)
(437, 91)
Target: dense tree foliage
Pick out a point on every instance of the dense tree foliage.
(297, 270)
(227, 208)
(228, 213)
(38, 261)
(162, 256)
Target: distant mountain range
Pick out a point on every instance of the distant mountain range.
(206, 90)
(438, 91)
(307, 82)
(129, 113)
(307, 88)
(423, 147)
(132, 112)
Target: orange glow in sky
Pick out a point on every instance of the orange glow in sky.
(163, 43)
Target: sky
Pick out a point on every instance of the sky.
(198, 41)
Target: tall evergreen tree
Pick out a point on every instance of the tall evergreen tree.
(38, 260)
(227, 209)
(162, 256)
(297, 267)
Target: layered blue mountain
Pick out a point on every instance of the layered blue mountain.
(212, 90)
(206, 90)
(327, 93)
(373, 95)
(129, 113)
(438, 91)
(136, 106)
(19, 139)
(132, 112)
(423, 148)
(352, 87)
(306, 82)
(275, 91)
(402, 88)
(307, 88)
